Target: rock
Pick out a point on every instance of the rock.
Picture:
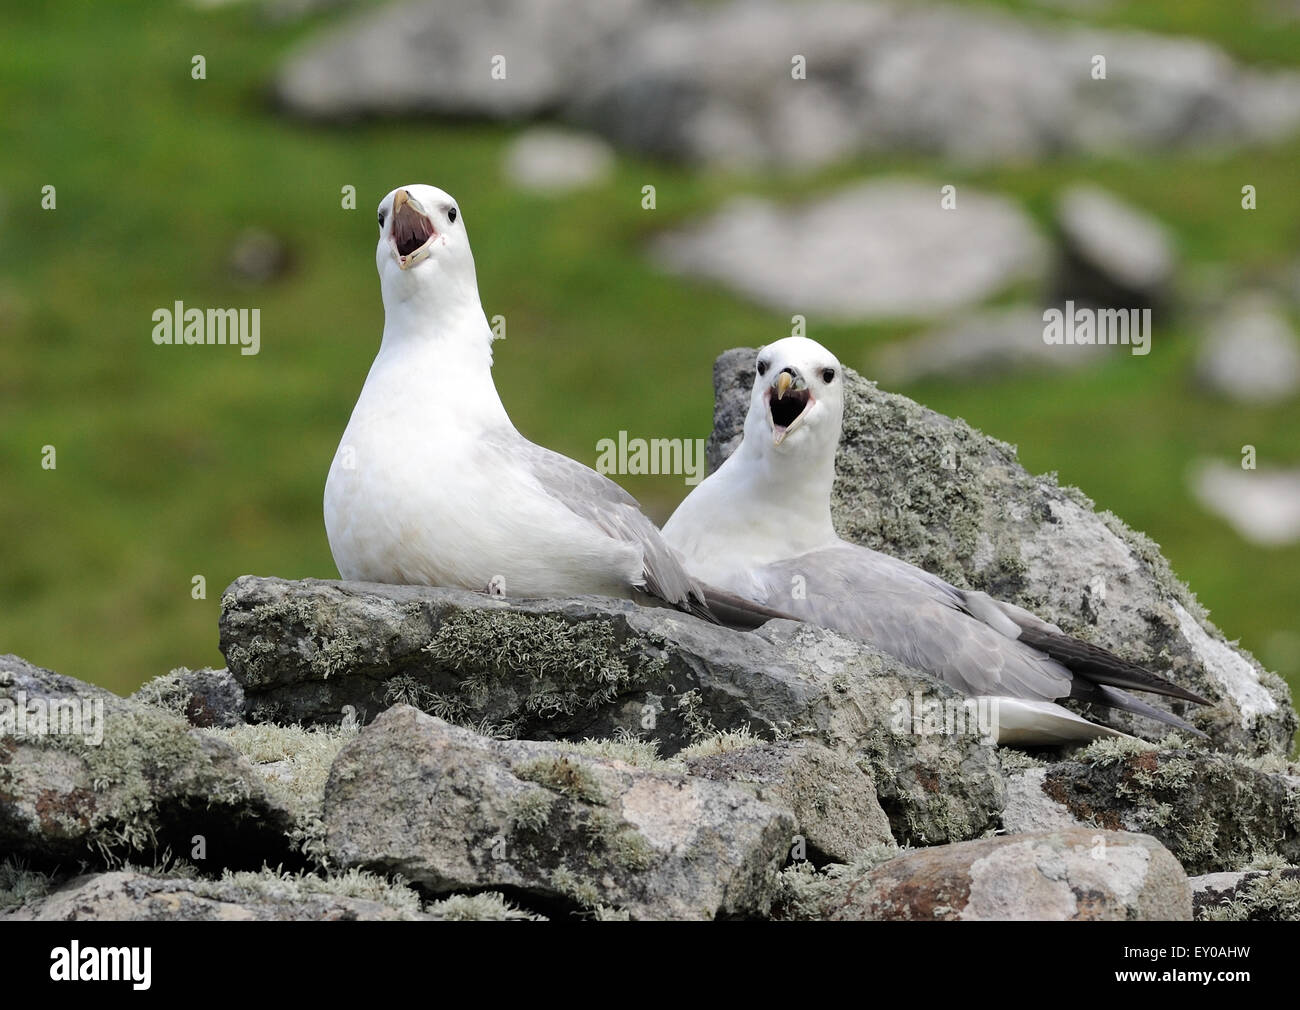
(589, 667)
(1029, 808)
(1263, 506)
(502, 60)
(1072, 874)
(752, 84)
(546, 160)
(869, 251)
(451, 810)
(1112, 255)
(1250, 353)
(205, 698)
(126, 896)
(1248, 896)
(833, 800)
(979, 345)
(933, 491)
(121, 778)
(1214, 811)
(713, 85)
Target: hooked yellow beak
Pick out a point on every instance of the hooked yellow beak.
(783, 382)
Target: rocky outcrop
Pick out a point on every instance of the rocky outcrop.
(1248, 895)
(85, 774)
(126, 896)
(936, 492)
(1071, 874)
(838, 817)
(568, 669)
(451, 811)
(413, 817)
(1214, 811)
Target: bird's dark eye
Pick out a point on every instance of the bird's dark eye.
(451, 215)
(828, 375)
(762, 368)
(381, 219)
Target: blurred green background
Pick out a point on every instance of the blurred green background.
(176, 462)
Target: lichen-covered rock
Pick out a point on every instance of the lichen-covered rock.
(205, 698)
(934, 491)
(569, 669)
(1214, 811)
(1073, 874)
(833, 800)
(451, 810)
(129, 896)
(1248, 895)
(84, 773)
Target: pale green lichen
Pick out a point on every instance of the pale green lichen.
(278, 886)
(531, 811)
(146, 758)
(1213, 811)
(720, 742)
(690, 708)
(805, 893)
(625, 748)
(19, 884)
(1013, 760)
(487, 906)
(404, 689)
(166, 693)
(1273, 896)
(611, 837)
(294, 761)
(574, 887)
(1107, 751)
(558, 773)
(562, 666)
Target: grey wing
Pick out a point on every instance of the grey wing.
(615, 513)
(912, 615)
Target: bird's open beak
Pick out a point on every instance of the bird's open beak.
(412, 230)
(788, 400)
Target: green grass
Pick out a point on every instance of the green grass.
(175, 462)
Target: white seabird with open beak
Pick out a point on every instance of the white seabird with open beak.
(760, 527)
(433, 485)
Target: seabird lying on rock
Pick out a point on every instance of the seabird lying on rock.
(760, 527)
(432, 484)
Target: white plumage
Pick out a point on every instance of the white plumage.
(432, 484)
(761, 527)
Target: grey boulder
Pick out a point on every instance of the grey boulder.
(450, 810)
(1071, 874)
(85, 774)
